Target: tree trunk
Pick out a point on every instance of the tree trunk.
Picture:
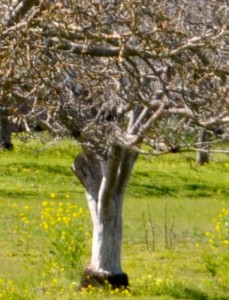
(106, 248)
(5, 134)
(105, 181)
(202, 156)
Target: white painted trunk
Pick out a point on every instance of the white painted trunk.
(107, 239)
(105, 183)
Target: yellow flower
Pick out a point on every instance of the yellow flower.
(66, 220)
(70, 249)
(47, 292)
(126, 292)
(225, 242)
(73, 285)
(45, 225)
(60, 209)
(52, 195)
(158, 281)
(224, 210)
(218, 226)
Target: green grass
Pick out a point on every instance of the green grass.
(170, 205)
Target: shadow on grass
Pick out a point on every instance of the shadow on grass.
(151, 190)
(182, 292)
(12, 194)
(204, 190)
(37, 166)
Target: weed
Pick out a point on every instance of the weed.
(150, 230)
(66, 231)
(216, 256)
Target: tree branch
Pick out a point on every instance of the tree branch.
(19, 11)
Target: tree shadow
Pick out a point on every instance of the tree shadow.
(151, 190)
(194, 294)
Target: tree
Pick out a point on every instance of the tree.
(5, 133)
(116, 75)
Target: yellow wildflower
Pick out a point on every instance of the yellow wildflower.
(158, 281)
(208, 234)
(225, 242)
(218, 226)
(52, 195)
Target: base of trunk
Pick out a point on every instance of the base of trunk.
(91, 278)
(6, 146)
(202, 158)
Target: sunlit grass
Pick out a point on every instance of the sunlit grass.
(44, 217)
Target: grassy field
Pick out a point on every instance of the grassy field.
(176, 223)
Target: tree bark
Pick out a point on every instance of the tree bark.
(105, 182)
(202, 156)
(19, 11)
(5, 133)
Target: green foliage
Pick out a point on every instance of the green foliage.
(66, 231)
(216, 254)
(51, 240)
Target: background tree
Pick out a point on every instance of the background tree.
(116, 75)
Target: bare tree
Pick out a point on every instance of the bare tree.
(116, 75)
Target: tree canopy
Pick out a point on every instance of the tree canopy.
(116, 71)
(116, 75)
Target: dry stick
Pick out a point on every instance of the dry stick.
(166, 229)
(146, 231)
(171, 242)
(152, 229)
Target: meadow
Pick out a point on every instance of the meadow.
(175, 218)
